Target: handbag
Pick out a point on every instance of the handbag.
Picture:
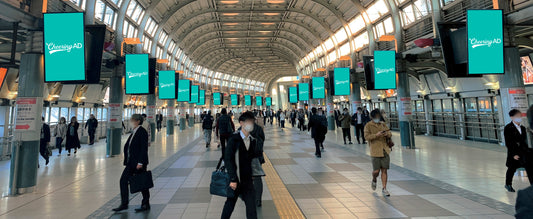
(140, 181)
(390, 143)
(220, 182)
(49, 149)
(257, 169)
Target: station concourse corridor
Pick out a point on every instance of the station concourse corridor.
(424, 183)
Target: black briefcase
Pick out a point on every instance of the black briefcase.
(220, 182)
(141, 181)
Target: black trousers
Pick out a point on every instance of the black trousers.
(248, 196)
(159, 125)
(59, 140)
(511, 169)
(43, 149)
(91, 136)
(346, 133)
(223, 140)
(282, 123)
(301, 125)
(359, 131)
(271, 120)
(124, 189)
(258, 187)
(318, 145)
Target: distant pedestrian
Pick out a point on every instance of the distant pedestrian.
(357, 121)
(346, 121)
(318, 124)
(207, 126)
(73, 140)
(224, 127)
(60, 132)
(92, 123)
(517, 149)
(45, 141)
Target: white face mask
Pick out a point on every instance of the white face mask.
(248, 127)
(517, 120)
(376, 120)
(132, 124)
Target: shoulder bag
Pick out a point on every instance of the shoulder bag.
(220, 182)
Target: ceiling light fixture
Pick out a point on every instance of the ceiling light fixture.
(229, 1)
(275, 1)
(231, 24)
(230, 14)
(267, 23)
(271, 14)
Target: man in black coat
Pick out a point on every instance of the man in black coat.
(240, 151)
(45, 140)
(318, 126)
(92, 123)
(135, 161)
(524, 203)
(159, 120)
(517, 149)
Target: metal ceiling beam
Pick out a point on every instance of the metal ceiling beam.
(285, 49)
(277, 52)
(228, 56)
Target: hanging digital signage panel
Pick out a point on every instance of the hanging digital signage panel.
(247, 100)
(64, 47)
(184, 90)
(217, 99)
(201, 98)
(258, 100)
(137, 74)
(303, 91)
(268, 101)
(234, 99)
(485, 41)
(194, 94)
(318, 88)
(384, 70)
(167, 85)
(293, 95)
(341, 81)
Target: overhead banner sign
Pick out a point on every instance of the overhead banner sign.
(234, 99)
(303, 91)
(64, 47)
(137, 78)
(268, 101)
(258, 100)
(341, 81)
(247, 100)
(384, 70)
(184, 90)
(195, 89)
(201, 98)
(318, 88)
(217, 99)
(293, 95)
(485, 41)
(167, 85)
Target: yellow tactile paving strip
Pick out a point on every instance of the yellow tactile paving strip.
(285, 204)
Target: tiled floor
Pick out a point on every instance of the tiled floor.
(442, 179)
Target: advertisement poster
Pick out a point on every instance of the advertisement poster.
(137, 78)
(384, 70)
(259, 101)
(64, 47)
(150, 112)
(167, 85)
(201, 98)
(405, 106)
(247, 100)
(517, 99)
(217, 99)
(293, 95)
(195, 89)
(184, 90)
(268, 101)
(319, 89)
(485, 41)
(527, 69)
(114, 116)
(303, 91)
(341, 81)
(27, 112)
(234, 99)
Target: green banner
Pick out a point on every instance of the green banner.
(184, 90)
(319, 88)
(293, 95)
(384, 70)
(247, 100)
(258, 100)
(234, 99)
(341, 81)
(268, 101)
(201, 98)
(194, 94)
(217, 99)
(485, 41)
(303, 91)
(64, 47)
(167, 85)
(137, 78)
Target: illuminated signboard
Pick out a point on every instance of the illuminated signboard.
(384, 70)
(485, 41)
(268, 101)
(341, 81)
(217, 99)
(318, 88)
(3, 73)
(184, 90)
(247, 100)
(167, 85)
(303, 91)
(234, 99)
(137, 77)
(293, 95)
(201, 98)
(258, 100)
(64, 47)
(194, 93)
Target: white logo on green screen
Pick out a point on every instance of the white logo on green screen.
(486, 42)
(384, 70)
(163, 85)
(53, 48)
(137, 74)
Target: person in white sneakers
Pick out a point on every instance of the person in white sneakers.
(377, 134)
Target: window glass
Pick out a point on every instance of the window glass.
(109, 16)
(99, 113)
(447, 105)
(125, 28)
(131, 7)
(379, 30)
(340, 36)
(470, 104)
(437, 107)
(99, 10)
(361, 40)
(332, 56)
(54, 115)
(328, 44)
(407, 15)
(387, 23)
(163, 37)
(345, 49)
(138, 14)
(377, 10)
(64, 113)
(356, 24)
(423, 7)
(80, 115)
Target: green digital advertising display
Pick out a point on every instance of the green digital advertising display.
(64, 47)
(384, 70)
(247, 100)
(194, 94)
(485, 41)
(258, 100)
(167, 85)
(268, 101)
(234, 99)
(201, 98)
(341, 81)
(184, 90)
(303, 91)
(293, 95)
(137, 78)
(318, 86)
(217, 99)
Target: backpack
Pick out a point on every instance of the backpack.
(354, 117)
(224, 125)
(323, 125)
(207, 123)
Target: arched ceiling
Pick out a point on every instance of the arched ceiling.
(255, 39)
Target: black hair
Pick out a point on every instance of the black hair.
(313, 110)
(224, 111)
(138, 117)
(513, 112)
(246, 116)
(344, 109)
(144, 115)
(374, 113)
(359, 108)
(42, 118)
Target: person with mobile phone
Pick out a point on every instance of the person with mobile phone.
(377, 133)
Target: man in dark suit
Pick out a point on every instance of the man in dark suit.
(240, 151)
(318, 124)
(135, 160)
(45, 140)
(517, 149)
(524, 203)
(92, 123)
(159, 120)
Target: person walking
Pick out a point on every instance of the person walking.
(517, 149)
(241, 149)
(346, 121)
(207, 126)
(377, 134)
(159, 120)
(301, 118)
(357, 121)
(73, 141)
(366, 118)
(92, 123)
(135, 161)
(318, 124)
(223, 128)
(282, 116)
(60, 132)
(44, 141)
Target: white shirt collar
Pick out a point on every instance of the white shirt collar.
(243, 136)
(518, 127)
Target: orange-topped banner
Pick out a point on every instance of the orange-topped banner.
(132, 41)
(345, 58)
(162, 61)
(180, 71)
(321, 69)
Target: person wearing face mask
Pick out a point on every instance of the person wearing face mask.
(346, 121)
(318, 124)
(357, 121)
(240, 151)
(376, 132)
(517, 149)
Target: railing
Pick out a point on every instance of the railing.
(519, 4)
(420, 28)
(5, 147)
(456, 11)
